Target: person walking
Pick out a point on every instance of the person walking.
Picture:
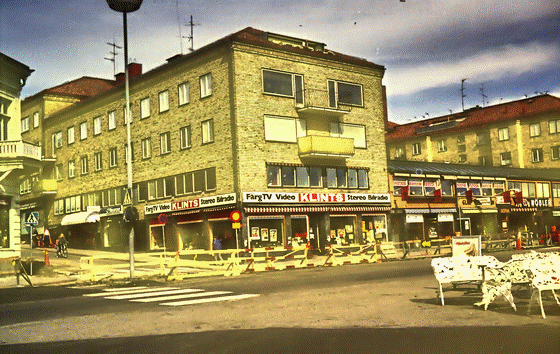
(217, 246)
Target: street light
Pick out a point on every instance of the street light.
(126, 6)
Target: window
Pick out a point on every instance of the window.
(462, 158)
(164, 143)
(400, 153)
(499, 187)
(486, 188)
(35, 119)
(555, 153)
(25, 124)
(112, 157)
(441, 146)
(415, 187)
(83, 131)
(57, 140)
(145, 108)
(96, 125)
(363, 181)
(344, 93)
(91, 199)
(98, 161)
(341, 178)
(73, 204)
(84, 163)
(554, 126)
(556, 190)
(205, 85)
(59, 207)
(71, 135)
(146, 148)
(503, 134)
(284, 129)
(353, 131)
(482, 139)
(283, 84)
(112, 119)
(184, 93)
(273, 176)
(543, 190)
(460, 139)
(537, 155)
(208, 131)
(71, 171)
(534, 130)
(315, 177)
(416, 149)
(25, 186)
(58, 172)
(505, 158)
(288, 176)
(331, 178)
(111, 197)
(475, 188)
(485, 160)
(302, 176)
(185, 137)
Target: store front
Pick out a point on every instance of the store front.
(314, 219)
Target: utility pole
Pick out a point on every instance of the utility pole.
(463, 94)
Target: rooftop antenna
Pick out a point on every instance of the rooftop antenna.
(463, 93)
(191, 37)
(114, 53)
(179, 26)
(484, 97)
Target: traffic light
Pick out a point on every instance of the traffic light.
(404, 193)
(468, 194)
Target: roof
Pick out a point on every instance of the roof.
(476, 117)
(82, 87)
(435, 168)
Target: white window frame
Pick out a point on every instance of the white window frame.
(357, 132)
(71, 135)
(416, 149)
(185, 137)
(206, 85)
(97, 125)
(71, 169)
(207, 131)
(112, 120)
(441, 145)
(84, 165)
(554, 126)
(57, 140)
(504, 162)
(503, 134)
(184, 92)
(163, 98)
(113, 157)
(165, 143)
(58, 172)
(146, 148)
(98, 161)
(537, 155)
(145, 108)
(25, 124)
(284, 129)
(83, 130)
(35, 119)
(534, 130)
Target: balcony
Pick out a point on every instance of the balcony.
(19, 155)
(318, 102)
(45, 186)
(325, 147)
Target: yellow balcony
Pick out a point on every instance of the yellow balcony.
(325, 146)
(45, 186)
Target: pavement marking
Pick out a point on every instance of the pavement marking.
(159, 293)
(213, 299)
(124, 289)
(183, 296)
(109, 293)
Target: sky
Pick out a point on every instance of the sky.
(502, 49)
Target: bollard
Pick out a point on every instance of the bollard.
(518, 243)
(47, 261)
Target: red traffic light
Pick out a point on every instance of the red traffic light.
(235, 216)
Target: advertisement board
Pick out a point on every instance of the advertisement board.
(466, 245)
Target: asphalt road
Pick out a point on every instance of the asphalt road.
(390, 307)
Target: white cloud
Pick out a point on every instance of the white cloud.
(507, 61)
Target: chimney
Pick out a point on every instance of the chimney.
(134, 70)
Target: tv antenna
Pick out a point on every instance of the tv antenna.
(484, 97)
(191, 37)
(463, 93)
(113, 53)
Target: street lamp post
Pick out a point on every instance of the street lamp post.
(126, 6)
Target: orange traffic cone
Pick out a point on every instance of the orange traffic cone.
(47, 261)
(519, 242)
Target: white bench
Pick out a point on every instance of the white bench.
(460, 269)
(545, 275)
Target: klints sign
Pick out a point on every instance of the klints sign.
(203, 202)
(346, 198)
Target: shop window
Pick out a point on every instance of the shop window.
(415, 187)
(265, 232)
(343, 230)
(498, 188)
(374, 228)
(398, 183)
(475, 188)
(556, 190)
(543, 190)
(447, 187)
(487, 190)
(429, 187)
(461, 187)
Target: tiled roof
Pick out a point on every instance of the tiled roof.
(83, 87)
(435, 168)
(476, 118)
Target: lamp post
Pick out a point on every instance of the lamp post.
(126, 6)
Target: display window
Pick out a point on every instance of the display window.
(191, 235)
(265, 231)
(343, 230)
(374, 228)
(300, 227)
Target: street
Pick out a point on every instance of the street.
(390, 307)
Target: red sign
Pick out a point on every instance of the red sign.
(162, 218)
(235, 216)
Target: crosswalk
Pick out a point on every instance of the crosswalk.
(169, 296)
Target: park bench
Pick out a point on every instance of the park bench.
(460, 269)
(545, 275)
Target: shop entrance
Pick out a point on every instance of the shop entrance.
(300, 228)
(191, 236)
(157, 237)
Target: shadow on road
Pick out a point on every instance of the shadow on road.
(524, 339)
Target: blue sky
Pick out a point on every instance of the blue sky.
(510, 47)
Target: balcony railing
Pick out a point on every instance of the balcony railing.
(325, 146)
(320, 102)
(19, 149)
(46, 186)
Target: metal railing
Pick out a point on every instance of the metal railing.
(319, 99)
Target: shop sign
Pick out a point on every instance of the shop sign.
(110, 211)
(280, 197)
(414, 218)
(203, 202)
(24, 206)
(445, 217)
(556, 213)
(534, 203)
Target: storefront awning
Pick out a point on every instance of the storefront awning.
(80, 218)
(252, 210)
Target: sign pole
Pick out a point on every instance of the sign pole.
(31, 239)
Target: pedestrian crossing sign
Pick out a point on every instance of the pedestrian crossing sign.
(32, 218)
(127, 199)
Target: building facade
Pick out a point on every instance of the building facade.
(282, 129)
(521, 134)
(17, 157)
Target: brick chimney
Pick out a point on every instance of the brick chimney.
(134, 70)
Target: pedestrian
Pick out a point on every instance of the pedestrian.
(217, 246)
(60, 243)
(47, 237)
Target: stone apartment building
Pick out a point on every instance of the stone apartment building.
(17, 157)
(282, 129)
(520, 134)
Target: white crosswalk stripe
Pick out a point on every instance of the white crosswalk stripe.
(169, 296)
